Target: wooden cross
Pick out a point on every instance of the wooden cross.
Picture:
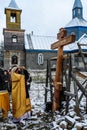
(63, 40)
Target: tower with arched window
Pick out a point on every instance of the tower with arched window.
(14, 50)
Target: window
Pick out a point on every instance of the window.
(14, 59)
(73, 12)
(40, 59)
(78, 11)
(13, 17)
(14, 38)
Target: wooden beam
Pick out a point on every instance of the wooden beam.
(63, 42)
(69, 94)
(81, 74)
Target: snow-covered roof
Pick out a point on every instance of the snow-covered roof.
(73, 47)
(40, 42)
(77, 22)
(13, 5)
(36, 42)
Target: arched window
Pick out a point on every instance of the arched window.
(40, 59)
(13, 17)
(14, 38)
(14, 59)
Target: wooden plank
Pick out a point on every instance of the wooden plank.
(63, 42)
(55, 58)
(79, 84)
(82, 75)
(69, 94)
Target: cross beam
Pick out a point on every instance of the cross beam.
(63, 40)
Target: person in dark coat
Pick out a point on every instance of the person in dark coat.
(29, 81)
(25, 73)
(4, 96)
(7, 80)
(2, 83)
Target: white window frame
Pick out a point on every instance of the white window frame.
(40, 59)
(14, 38)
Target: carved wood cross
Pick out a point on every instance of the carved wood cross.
(63, 40)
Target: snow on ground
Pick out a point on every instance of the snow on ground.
(41, 120)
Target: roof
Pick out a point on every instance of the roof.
(71, 48)
(39, 42)
(13, 5)
(77, 22)
(77, 4)
(44, 43)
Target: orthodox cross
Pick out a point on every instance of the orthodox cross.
(63, 40)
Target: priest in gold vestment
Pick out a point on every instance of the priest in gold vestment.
(21, 105)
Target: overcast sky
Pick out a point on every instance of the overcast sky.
(43, 17)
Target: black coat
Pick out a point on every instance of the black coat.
(2, 83)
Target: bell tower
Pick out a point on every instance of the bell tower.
(13, 17)
(14, 49)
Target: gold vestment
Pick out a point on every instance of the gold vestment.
(20, 105)
(4, 102)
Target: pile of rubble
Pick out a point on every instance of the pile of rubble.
(41, 120)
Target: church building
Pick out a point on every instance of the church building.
(33, 51)
(77, 26)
